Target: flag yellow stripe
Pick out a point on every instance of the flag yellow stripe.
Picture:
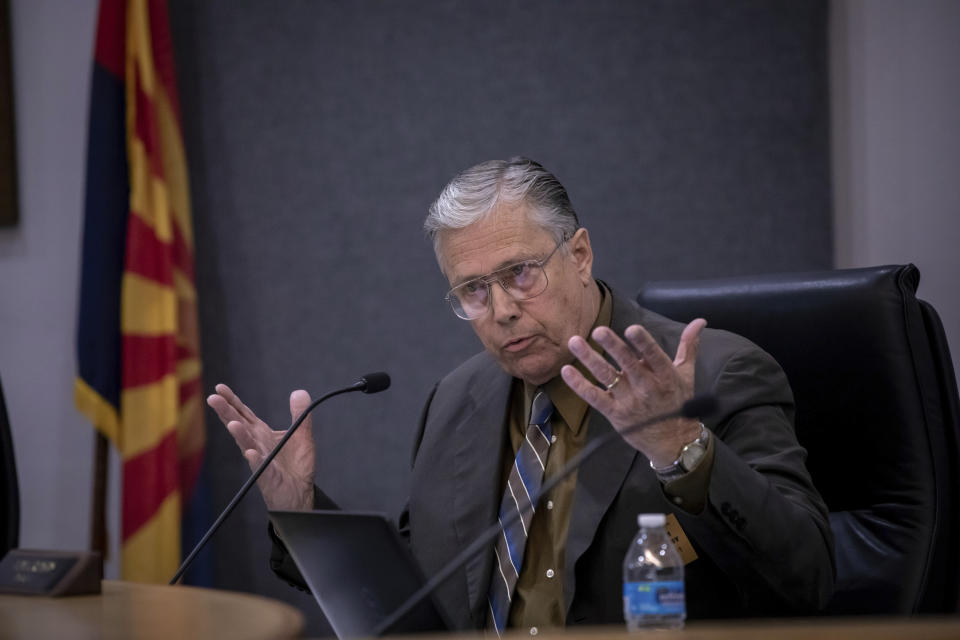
(151, 412)
(147, 307)
(174, 166)
(101, 413)
(139, 47)
(152, 554)
(184, 288)
(188, 369)
(149, 198)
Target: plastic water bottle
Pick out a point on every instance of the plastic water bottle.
(653, 595)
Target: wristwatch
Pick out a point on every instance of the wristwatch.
(689, 456)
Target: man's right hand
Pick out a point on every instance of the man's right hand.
(287, 484)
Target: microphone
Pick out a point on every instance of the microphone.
(375, 382)
(696, 407)
(369, 383)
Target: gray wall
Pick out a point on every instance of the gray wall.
(52, 46)
(692, 137)
(895, 102)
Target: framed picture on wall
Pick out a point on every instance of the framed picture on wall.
(8, 157)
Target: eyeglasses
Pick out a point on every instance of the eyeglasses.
(523, 280)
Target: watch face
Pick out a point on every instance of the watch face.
(691, 455)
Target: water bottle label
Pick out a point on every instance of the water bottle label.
(657, 598)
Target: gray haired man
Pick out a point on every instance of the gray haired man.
(754, 529)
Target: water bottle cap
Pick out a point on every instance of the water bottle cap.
(651, 519)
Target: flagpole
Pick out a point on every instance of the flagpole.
(98, 503)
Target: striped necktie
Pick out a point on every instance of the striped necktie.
(523, 488)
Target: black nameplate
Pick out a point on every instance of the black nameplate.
(50, 573)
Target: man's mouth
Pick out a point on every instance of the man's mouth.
(518, 344)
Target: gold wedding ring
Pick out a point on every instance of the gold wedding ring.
(615, 381)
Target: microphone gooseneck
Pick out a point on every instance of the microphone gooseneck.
(370, 383)
(699, 406)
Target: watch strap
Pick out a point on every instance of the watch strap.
(676, 469)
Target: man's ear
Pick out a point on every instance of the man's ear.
(582, 252)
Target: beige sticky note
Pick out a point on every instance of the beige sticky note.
(679, 539)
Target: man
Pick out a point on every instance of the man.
(566, 361)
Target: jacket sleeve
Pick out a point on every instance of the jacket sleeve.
(764, 523)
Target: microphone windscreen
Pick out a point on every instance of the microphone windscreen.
(699, 406)
(375, 382)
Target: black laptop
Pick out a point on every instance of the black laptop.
(359, 570)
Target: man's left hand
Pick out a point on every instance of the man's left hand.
(648, 384)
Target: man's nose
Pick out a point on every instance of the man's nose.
(503, 306)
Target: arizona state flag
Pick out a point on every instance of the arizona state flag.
(137, 339)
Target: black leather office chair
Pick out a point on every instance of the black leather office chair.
(877, 410)
(9, 492)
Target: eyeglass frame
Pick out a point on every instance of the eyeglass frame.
(491, 277)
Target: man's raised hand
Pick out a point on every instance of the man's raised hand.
(648, 383)
(286, 484)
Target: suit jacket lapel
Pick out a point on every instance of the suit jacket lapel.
(477, 475)
(598, 482)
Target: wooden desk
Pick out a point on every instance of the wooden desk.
(825, 628)
(131, 610)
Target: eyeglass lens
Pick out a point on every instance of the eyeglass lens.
(522, 281)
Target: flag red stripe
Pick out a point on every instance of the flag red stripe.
(189, 389)
(148, 479)
(162, 46)
(147, 255)
(190, 466)
(185, 352)
(147, 359)
(110, 48)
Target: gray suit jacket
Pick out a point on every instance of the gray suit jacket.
(763, 539)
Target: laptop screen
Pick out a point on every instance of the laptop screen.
(358, 568)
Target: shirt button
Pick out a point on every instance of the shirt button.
(533, 631)
(549, 504)
(552, 439)
(550, 573)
